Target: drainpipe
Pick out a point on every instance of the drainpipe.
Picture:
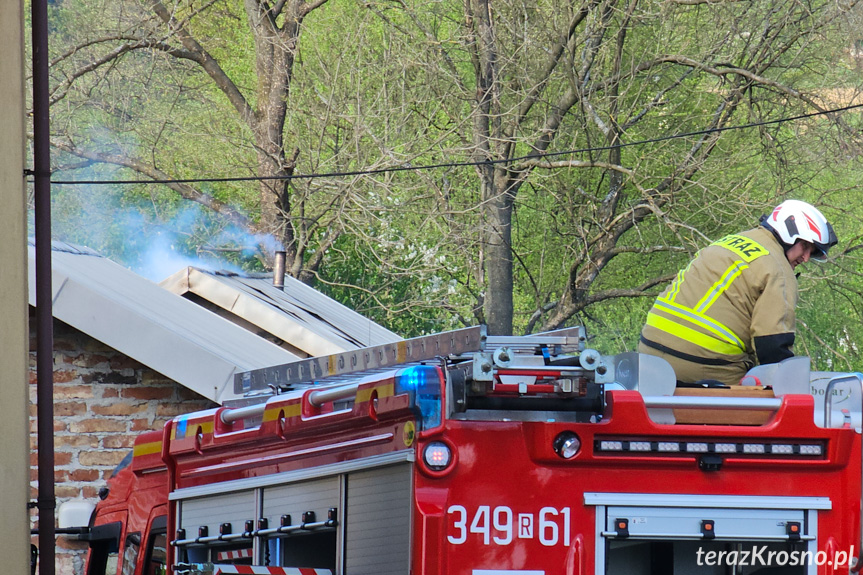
(44, 309)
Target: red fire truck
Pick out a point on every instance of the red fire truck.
(466, 454)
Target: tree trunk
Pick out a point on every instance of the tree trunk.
(275, 51)
(497, 237)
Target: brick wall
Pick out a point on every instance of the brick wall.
(102, 400)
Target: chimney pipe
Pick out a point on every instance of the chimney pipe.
(279, 271)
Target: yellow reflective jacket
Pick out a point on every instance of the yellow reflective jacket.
(732, 306)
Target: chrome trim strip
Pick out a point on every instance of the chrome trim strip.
(714, 501)
(293, 476)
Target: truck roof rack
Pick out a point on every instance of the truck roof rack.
(333, 369)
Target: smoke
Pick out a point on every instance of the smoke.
(164, 257)
(153, 240)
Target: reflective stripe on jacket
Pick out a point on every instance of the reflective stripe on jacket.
(738, 295)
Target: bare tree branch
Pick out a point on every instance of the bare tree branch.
(208, 63)
(61, 90)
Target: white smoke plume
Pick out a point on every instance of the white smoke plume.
(154, 243)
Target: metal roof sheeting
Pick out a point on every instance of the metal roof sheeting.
(167, 333)
(299, 315)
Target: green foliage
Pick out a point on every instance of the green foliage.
(407, 302)
(381, 84)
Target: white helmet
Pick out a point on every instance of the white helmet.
(794, 220)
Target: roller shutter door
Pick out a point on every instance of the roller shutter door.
(379, 521)
(233, 508)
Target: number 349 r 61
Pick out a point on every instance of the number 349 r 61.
(501, 526)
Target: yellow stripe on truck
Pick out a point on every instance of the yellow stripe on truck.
(364, 395)
(191, 428)
(147, 449)
(292, 410)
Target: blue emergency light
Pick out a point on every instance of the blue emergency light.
(423, 383)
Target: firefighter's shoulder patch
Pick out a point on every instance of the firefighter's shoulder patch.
(748, 249)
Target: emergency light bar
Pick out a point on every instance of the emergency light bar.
(639, 446)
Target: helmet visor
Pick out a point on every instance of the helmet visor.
(820, 251)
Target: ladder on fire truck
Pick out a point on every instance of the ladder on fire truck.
(470, 349)
(461, 343)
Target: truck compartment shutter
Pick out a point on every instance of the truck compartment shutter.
(379, 521)
(296, 498)
(233, 508)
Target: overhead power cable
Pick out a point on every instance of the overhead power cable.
(407, 167)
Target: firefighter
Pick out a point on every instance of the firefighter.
(734, 305)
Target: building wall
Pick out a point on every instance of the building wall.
(14, 547)
(102, 401)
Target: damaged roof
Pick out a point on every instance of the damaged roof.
(167, 333)
(299, 318)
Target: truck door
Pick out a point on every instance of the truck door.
(105, 544)
(155, 559)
